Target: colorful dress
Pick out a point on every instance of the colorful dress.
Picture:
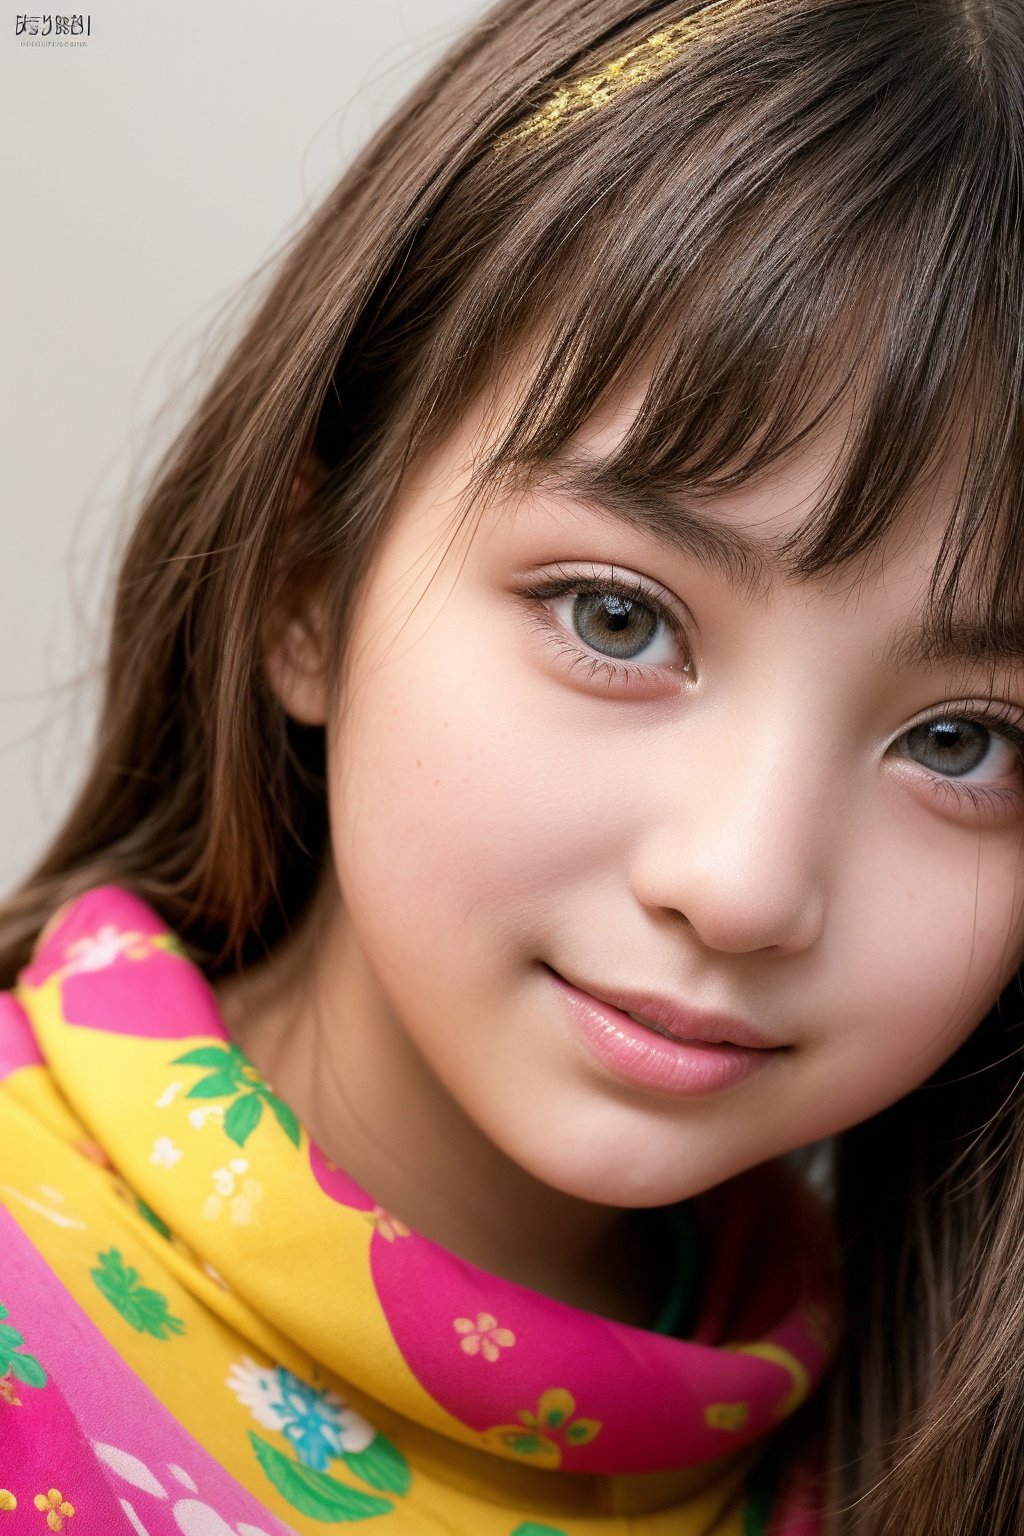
(208, 1329)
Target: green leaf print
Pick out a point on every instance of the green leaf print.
(382, 1465)
(156, 1222)
(761, 1488)
(206, 1056)
(145, 1310)
(531, 1528)
(232, 1072)
(234, 1077)
(523, 1444)
(28, 1370)
(14, 1358)
(756, 1515)
(242, 1118)
(219, 1085)
(286, 1118)
(315, 1493)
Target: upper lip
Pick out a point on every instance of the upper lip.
(680, 1020)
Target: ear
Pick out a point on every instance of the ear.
(295, 662)
(295, 640)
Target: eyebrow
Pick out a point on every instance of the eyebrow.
(964, 640)
(602, 488)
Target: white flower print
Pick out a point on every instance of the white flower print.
(258, 1389)
(165, 1154)
(235, 1194)
(98, 950)
(318, 1423)
(198, 1117)
(58, 1218)
(224, 1179)
(191, 1516)
(243, 1205)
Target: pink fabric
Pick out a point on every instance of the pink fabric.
(97, 1434)
(17, 1043)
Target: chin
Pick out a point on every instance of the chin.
(630, 1182)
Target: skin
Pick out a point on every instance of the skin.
(749, 835)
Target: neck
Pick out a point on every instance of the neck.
(314, 1021)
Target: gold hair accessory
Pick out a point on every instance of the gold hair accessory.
(644, 61)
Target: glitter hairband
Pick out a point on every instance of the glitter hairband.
(644, 61)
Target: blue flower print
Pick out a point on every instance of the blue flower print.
(309, 1422)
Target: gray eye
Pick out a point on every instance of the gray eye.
(951, 747)
(616, 625)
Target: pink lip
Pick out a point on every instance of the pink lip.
(705, 1054)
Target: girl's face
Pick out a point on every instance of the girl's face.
(577, 762)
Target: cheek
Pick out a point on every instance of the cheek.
(955, 938)
(928, 953)
(461, 800)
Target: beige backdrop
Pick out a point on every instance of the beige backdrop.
(144, 176)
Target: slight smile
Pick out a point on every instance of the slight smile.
(649, 1041)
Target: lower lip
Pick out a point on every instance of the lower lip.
(640, 1056)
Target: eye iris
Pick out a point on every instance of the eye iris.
(614, 616)
(952, 747)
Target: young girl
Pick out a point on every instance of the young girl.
(561, 753)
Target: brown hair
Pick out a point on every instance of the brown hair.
(815, 203)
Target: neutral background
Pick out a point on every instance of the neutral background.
(144, 178)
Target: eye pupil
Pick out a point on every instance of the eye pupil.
(600, 617)
(952, 747)
(618, 611)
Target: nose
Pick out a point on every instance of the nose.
(743, 849)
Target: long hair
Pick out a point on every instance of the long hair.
(812, 206)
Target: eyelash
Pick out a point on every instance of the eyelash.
(1002, 719)
(1006, 720)
(633, 588)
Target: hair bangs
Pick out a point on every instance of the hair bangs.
(835, 236)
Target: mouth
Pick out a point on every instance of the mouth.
(665, 1033)
(653, 1041)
